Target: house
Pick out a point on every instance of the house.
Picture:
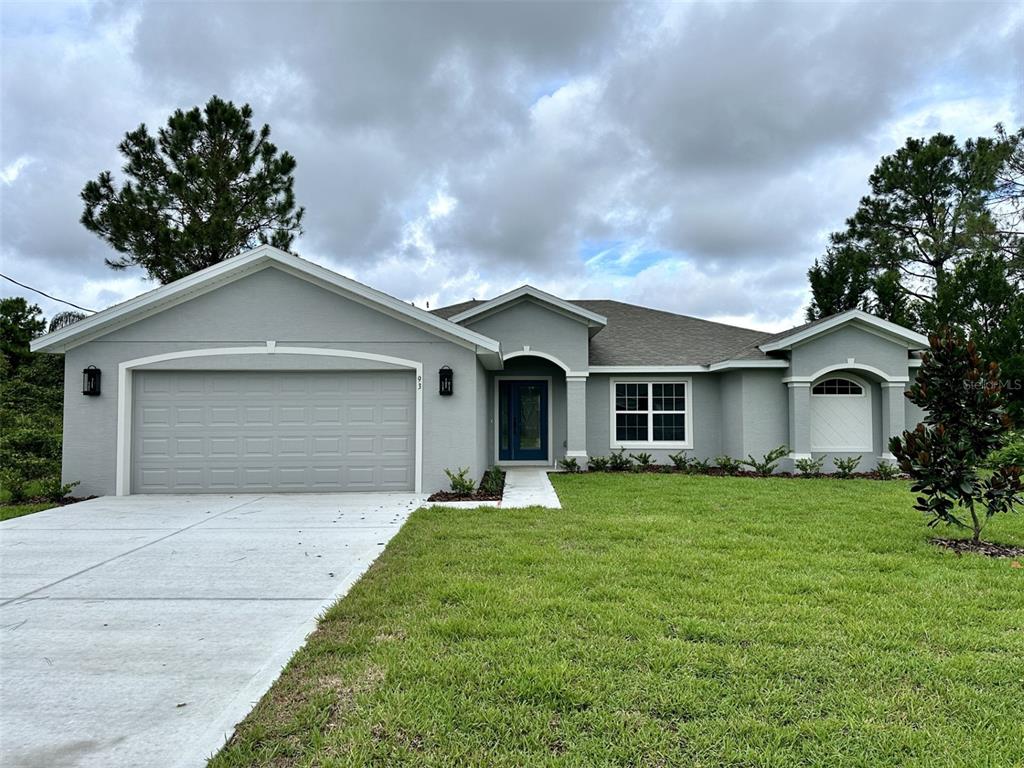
(267, 373)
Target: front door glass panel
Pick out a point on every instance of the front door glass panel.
(522, 420)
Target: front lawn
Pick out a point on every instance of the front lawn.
(663, 620)
(10, 511)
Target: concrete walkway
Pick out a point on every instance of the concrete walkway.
(529, 487)
(138, 630)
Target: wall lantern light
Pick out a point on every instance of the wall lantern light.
(445, 383)
(91, 381)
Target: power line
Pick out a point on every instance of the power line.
(44, 293)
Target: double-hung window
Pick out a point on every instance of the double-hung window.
(651, 414)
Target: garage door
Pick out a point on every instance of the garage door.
(223, 431)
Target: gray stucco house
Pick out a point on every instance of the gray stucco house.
(269, 373)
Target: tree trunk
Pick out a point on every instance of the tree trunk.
(977, 525)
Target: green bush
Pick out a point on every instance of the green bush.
(493, 482)
(810, 466)
(1010, 455)
(619, 461)
(52, 489)
(643, 460)
(846, 466)
(598, 463)
(570, 464)
(699, 466)
(461, 481)
(680, 461)
(886, 470)
(728, 464)
(768, 463)
(14, 485)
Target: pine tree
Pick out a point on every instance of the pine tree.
(206, 188)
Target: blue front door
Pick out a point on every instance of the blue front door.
(522, 420)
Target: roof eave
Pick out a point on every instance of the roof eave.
(166, 296)
(594, 321)
(899, 334)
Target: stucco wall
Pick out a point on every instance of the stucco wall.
(528, 323)
(837, 347)
(276, 306)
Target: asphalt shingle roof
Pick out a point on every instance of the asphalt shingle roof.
(642, 336)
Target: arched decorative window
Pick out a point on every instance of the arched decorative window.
(837, 386)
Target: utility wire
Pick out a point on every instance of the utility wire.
(44, 293)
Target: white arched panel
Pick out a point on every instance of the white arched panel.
(842, 423)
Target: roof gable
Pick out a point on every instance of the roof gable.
(229, 270)
(868, 322)
(592, 320)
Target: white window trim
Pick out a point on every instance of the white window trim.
(863, 389)
(656, 444)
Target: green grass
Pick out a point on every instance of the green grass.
(11, 511)
(658, 621)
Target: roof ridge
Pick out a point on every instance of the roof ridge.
(674, 314)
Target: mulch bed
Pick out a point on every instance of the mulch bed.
(665, 469)
(987, 548)
(477, 495)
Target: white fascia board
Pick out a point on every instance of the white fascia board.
(912, 339)
(167, 296)
(648, 369)
(528, 291)
(720, 366)
(726, 365)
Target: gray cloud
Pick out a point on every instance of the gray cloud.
(448, 150)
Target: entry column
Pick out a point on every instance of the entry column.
(894, 414)
(799, 419)
(576, 418)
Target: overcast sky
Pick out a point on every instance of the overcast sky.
(687, 157)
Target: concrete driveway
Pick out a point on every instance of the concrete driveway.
(139, 630)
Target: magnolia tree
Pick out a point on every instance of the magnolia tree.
(965, 421)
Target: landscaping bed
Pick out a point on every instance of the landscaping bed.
(967, 546)
(491, 487)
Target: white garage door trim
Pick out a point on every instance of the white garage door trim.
(863, 400)
(122, 485)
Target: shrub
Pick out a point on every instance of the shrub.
(1010, 455)
(886, 470)
(52, 489)
(699, 466)
(570, 464)
(14, 483)
(680, 461)
(768, 463)
(965, 422)
(493, 482)
(846, 466)
(461, 482)
(728, 464)
(810, 466)
(619, 461)
(598, 463)
(643, 460)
